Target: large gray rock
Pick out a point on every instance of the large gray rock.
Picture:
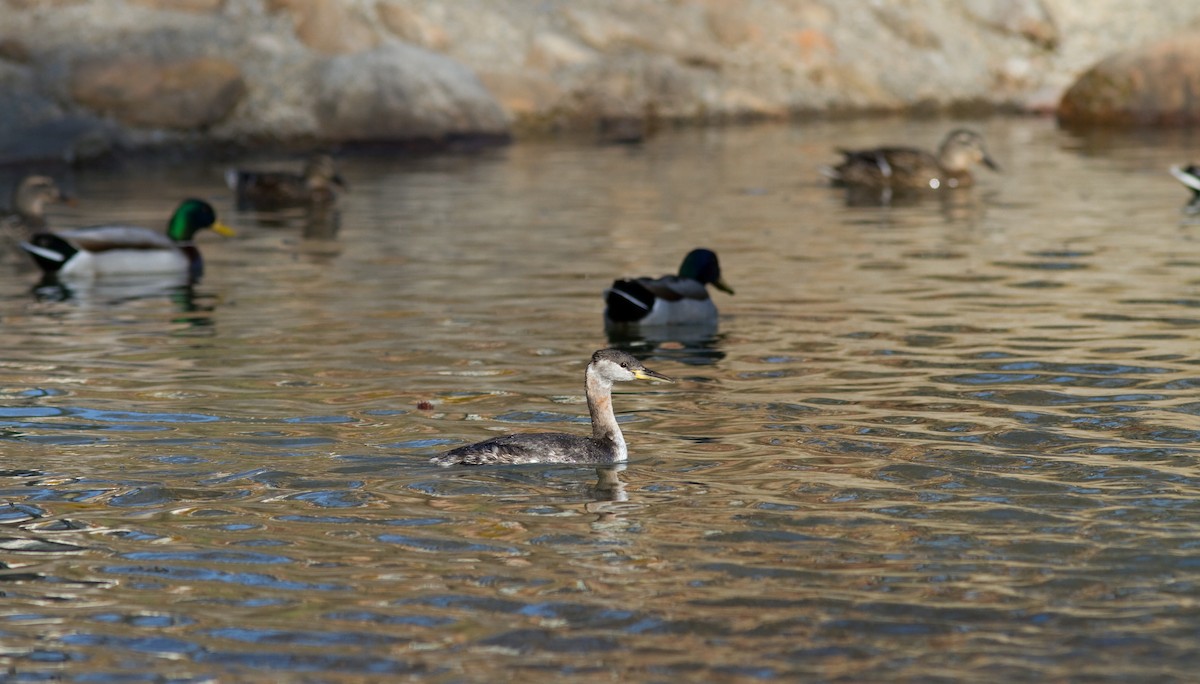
(175, 94)
(248, 72)
(331, 27)
(399, 91)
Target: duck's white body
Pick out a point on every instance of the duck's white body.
(116, 251)
(679, 312)
(125, 263)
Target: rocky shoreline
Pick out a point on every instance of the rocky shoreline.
(82, 78)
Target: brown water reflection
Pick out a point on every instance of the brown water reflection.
(942, 440)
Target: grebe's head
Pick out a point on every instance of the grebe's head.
(615, 365)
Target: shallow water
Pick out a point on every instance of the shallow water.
(936, 441)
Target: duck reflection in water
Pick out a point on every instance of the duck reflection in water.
(956, 207)
(691, 345)
(319, 235)
(197, 307)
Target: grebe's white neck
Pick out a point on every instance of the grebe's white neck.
(598, 387)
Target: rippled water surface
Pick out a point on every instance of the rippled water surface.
(946, 440)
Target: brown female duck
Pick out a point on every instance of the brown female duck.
(317, 184)
(906, 168)
(29, 200)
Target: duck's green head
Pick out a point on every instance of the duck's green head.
(191, 216)
(702, 265)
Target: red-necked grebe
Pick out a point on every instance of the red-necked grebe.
(606, 445)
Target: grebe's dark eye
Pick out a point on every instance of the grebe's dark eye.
(625, 366)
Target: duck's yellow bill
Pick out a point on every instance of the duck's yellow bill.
(222, 229)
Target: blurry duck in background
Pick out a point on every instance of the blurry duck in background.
(114, 251)
(625, 130)
(29, 200)
(318, 184)
(1190, 176)
(670, 300)
(908, 169)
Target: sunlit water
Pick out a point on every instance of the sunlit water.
(942, 441)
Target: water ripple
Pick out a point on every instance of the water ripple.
(182, 573)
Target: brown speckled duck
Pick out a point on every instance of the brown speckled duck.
(906, 168)
(317, 184)
(29, 200)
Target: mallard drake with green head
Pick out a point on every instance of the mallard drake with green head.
(118, 250)
(670, 300)
(906, 168)
(1190, 176)
(317, 184)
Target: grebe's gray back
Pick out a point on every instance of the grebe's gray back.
(606, 445)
